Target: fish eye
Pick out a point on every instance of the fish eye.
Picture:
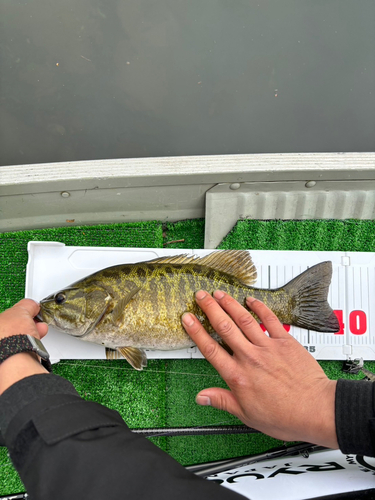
(60, 298)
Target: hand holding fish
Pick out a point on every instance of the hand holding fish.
(264, 391)
(19, 319)
(14, 321)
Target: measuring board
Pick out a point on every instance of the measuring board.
(327, 473)
(53, 266)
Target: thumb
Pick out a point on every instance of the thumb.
(42, 329)
(222, 399)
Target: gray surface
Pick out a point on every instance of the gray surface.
(176, 188)
(114, 79)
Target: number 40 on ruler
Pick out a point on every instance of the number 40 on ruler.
(357, 322)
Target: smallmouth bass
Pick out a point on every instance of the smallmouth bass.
(131, 307)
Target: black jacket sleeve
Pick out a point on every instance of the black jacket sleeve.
(355, 416)
(65, 448)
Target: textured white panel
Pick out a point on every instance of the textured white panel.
(286, 201)
(334, 204)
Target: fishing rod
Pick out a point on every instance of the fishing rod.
(204, 430)
(16, 496)
(209, 468)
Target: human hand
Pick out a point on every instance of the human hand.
(276, 386)
(19, 320)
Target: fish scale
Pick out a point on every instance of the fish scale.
(133, 307)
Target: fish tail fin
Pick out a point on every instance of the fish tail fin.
(308, 293)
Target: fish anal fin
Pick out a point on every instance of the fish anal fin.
(134, 356)
(118, 311)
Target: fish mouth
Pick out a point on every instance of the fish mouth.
(45, 318)
(44, 315)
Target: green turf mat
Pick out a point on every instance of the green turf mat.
(327, 235)
(163, 394)
(185, 234)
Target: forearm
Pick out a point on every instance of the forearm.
(54, 430)
(18, 367)
(316, 420)
(355, 416)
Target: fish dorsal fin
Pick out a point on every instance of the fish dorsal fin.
(238, 263)
(174, 259)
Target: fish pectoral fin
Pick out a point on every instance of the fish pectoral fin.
(136, 357)
(118, 311)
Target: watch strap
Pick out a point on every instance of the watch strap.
(20, 343)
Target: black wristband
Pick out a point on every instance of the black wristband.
(24, 343)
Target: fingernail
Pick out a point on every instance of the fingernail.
(200, 295)
(218, 294)
(250, 300)
(203, 400)
(187, 319)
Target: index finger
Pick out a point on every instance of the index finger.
(30, 305)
